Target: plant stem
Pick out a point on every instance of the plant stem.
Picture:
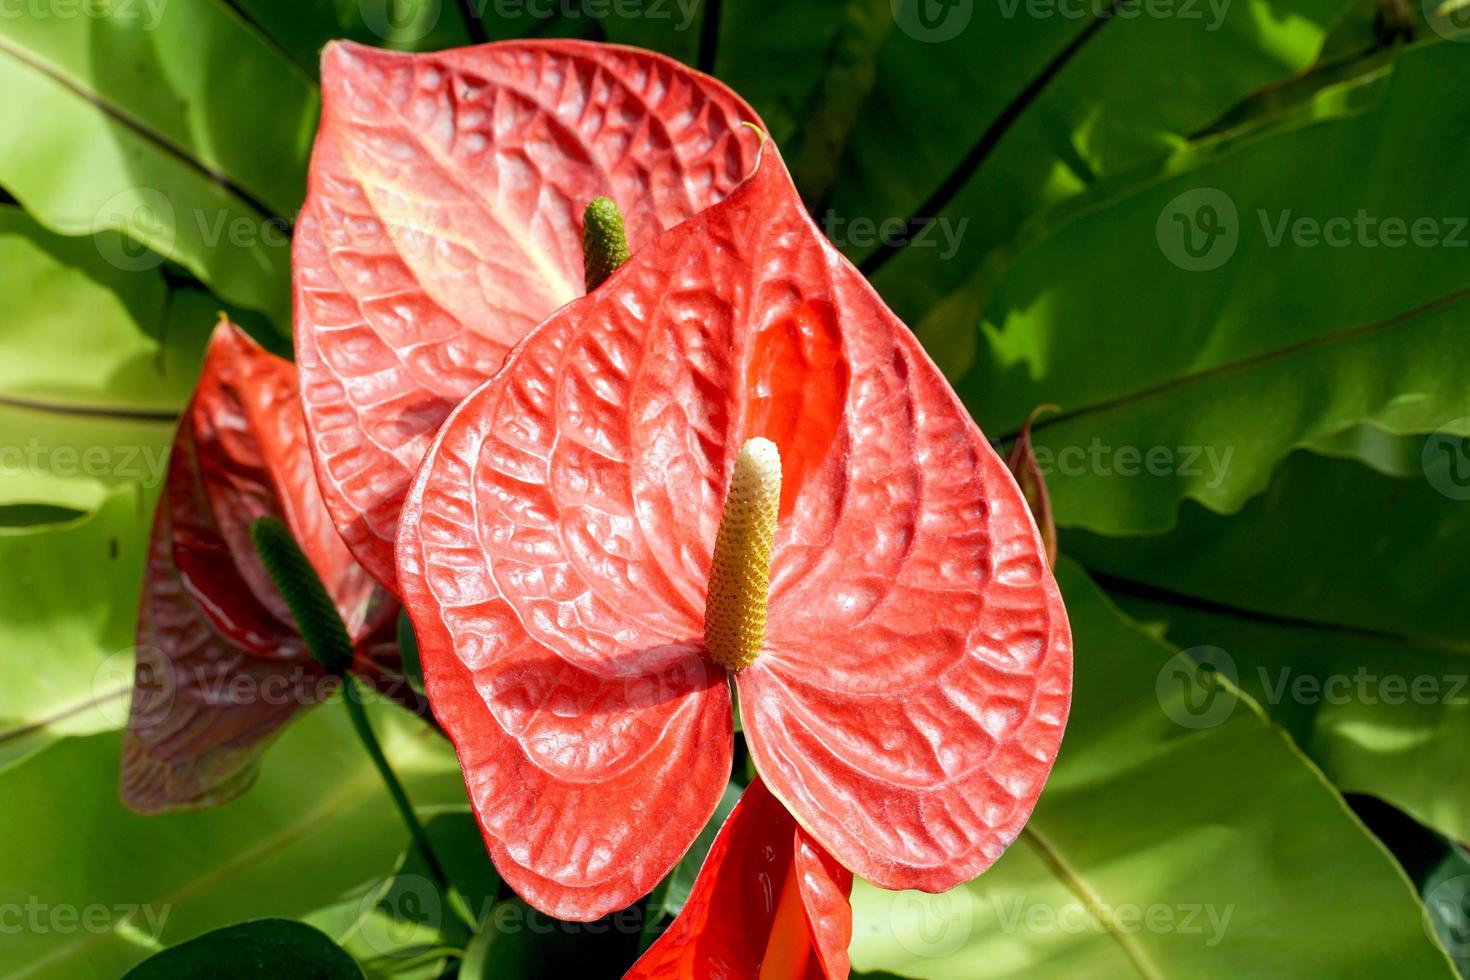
(353, 699)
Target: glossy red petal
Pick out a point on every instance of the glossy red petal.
(917, 672)
(221, 666)
(561, 649)
(735, 918)
(443, 221)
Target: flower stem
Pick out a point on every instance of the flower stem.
(352, 698)
(328, 641)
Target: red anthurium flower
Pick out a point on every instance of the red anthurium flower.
(588, 552)
(769, 903)
(443, 221)
(221, 666)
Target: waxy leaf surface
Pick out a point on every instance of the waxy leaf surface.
(766, 889)
(220, 664)
(443, 221)
(554, 553)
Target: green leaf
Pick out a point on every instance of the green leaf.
(95, 363)
(135, 123)
(1326, 599)
(301, 29)
(66, 633)
(265, 947)
(1267, 351)
(1163, 847)
(402, 925)
(79, 333)
(317, 825)
(1054, 101)
(516, 942)
(1330, 542)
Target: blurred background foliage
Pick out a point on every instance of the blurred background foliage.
(1307, 405)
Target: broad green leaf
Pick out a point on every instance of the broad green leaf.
(517, 942)
(1383, 715)
(1331, 599)
(137, 123)
(316, 826)
(1265, 352)
(775, 53)
(1107, 94)
(68, 600)
(95, 363)
(77, 332)
(1331, 543)
(264, 947)
(1168, 843)
(402, 924)
(301, 28)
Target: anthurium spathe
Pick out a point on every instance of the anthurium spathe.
(443, 221)
(221, 665)
(769, 903)
(911, 676)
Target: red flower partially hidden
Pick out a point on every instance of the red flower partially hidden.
(221, 666)
(555, 551)
(768, 903)
(443, 221)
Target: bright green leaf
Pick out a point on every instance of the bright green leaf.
(264, 947)
(1164, 845)
(111, 886)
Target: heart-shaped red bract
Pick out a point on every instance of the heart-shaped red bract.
(221, 666)
(766, 890)
(554, 552)
(443, 221)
